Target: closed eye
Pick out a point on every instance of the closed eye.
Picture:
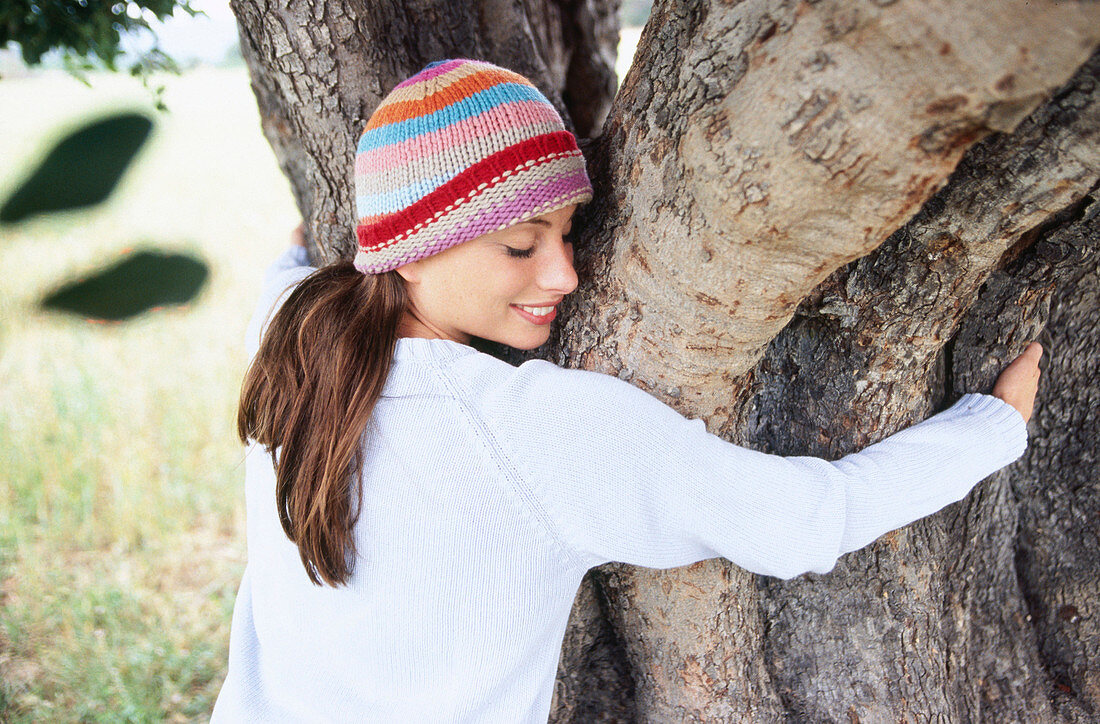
(520, 253)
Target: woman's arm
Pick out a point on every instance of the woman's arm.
(627, 478)
(289, 268)
(296, 256)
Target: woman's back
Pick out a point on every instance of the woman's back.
(459, 596)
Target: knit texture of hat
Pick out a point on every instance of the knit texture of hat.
(461, 149)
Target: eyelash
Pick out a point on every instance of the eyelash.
(526, 253)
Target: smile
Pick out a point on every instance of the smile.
(536, 315)
(537, 311)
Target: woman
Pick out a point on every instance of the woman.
(417, 536)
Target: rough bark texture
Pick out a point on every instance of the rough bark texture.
(684, 282)
(862, 360)
(1040, 550)
(814, 224)
(757, 146)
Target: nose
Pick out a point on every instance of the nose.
(557, 273)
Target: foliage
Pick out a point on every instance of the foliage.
(137, 282)
(86, 31)
(80, 171)
(121, 505)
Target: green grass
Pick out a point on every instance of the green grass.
(121, 501)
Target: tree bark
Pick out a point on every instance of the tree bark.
(947, 582)
(1043, 559)
(814, 224)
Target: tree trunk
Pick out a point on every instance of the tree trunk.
(814, 224)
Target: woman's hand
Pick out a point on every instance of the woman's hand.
(298, 236)
(1020, 380)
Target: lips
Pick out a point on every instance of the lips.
(537, 311)
(536, 315)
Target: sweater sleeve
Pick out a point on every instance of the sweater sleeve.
(627, 478)
(289, 268)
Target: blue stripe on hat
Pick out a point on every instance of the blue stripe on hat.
(398, 199)
(466, 108)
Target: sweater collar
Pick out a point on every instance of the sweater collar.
(422, 348)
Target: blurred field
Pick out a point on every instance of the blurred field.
(121, 496)
(121, 507)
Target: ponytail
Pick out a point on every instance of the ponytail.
(308, 395)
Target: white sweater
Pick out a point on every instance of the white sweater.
(489, 490)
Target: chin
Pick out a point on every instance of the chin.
(527, 346)
(524, 342)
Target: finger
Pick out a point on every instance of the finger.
(1029, 357)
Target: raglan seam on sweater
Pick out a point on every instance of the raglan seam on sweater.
(565, 527)
(515, 481)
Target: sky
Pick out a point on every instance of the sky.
(207, 38)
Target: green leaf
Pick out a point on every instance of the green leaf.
(84, 31)
(82, 169)
(133, 284)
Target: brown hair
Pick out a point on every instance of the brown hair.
(307, 397)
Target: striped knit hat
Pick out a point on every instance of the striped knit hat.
(460, 149)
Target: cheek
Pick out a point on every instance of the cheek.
(522, 277)
(505, 282)
(456, 285)
(483, 290)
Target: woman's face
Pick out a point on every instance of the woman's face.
(503, 286)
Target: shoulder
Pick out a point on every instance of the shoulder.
(538, 393)
(491, 377)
